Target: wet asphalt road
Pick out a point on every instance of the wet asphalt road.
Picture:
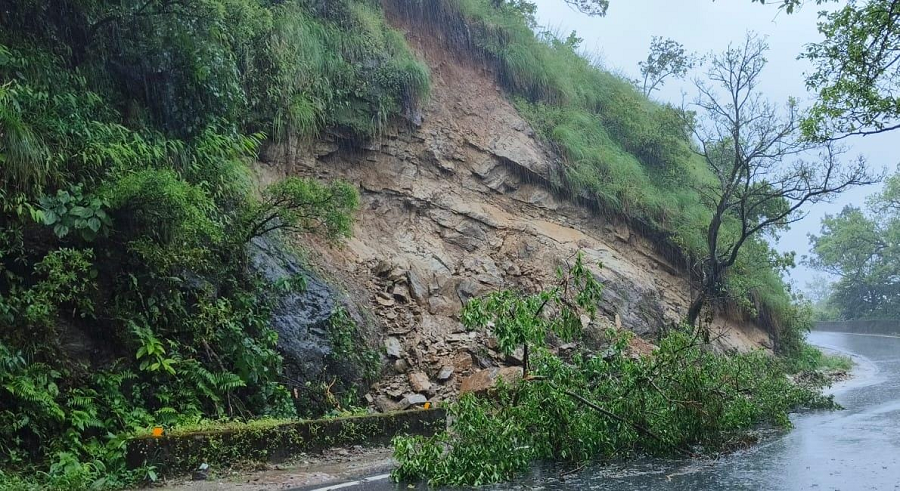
(851, 450)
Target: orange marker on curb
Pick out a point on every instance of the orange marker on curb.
(157, 431)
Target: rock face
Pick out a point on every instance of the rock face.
(301, 319)
(462, 205)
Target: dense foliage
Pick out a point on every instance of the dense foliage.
(681, 399)
(856, 75)
(861, 247)
(126, 128)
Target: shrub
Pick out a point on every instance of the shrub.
(681, 399)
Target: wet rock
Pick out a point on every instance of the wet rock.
(384, 299)
(400, 292)
(202, 473)
(382, 268)
(637, 347)
(419, 381)
(442, 306)
(462, 361)
(417, 288)
(392, 347)
(483, 360)
(445, 373)
(567, 347)
(517, 356)
(585, 321)
(400, 366)
(301, 317)
(413, 400)
(436, 327)
(394, 391)
(488, 279)
(487, 379)
(386, 405)
(461, 337)
(397, 275)
(512, 269)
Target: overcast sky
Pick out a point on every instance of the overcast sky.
(622, 39)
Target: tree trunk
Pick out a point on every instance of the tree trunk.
(695, 309)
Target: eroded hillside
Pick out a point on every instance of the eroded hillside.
(460, 204)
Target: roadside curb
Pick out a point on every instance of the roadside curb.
(182, 453)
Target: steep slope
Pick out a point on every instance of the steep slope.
(462, 204)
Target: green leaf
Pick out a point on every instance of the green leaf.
(50, 217)
(94, 224)
(81, 211)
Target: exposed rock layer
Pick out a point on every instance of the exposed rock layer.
(460, 206)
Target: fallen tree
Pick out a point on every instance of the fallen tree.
(682, 399)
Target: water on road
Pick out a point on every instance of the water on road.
(851, 450)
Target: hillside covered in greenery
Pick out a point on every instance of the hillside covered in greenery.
(126, 133)
(126, 129)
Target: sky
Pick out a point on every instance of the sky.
(622, 38)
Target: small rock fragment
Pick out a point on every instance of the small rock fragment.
(386, 405)
(202, 472)
(417, 288)
(400, 292)
(445, 373)
(462, 361)
(384, 299)
(419, 381)
(392, 347)
(517, 356)
(413, 400)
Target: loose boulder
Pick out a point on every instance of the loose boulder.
(487, 379)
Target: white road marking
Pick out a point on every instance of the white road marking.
(380, 477)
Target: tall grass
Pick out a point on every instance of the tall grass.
(349, 71)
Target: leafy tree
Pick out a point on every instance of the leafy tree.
(680, 399)
(302, 205)
(765, 171)
(789, 5)
(526, 320)
(856, 71)
(667, 58)
(862, 248)
(590, 7)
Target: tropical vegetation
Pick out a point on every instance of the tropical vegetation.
(126, 130)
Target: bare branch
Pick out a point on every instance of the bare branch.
(767, 172)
